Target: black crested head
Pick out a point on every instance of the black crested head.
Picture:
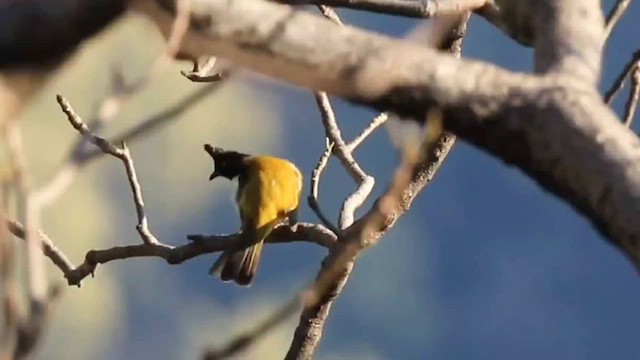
(228, 164)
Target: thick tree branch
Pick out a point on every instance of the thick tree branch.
(584, 155)
(569, 38)
(56, 32)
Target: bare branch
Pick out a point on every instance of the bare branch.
(615, 15)
(373, 125)
(578, 52)
(122, 154)
(632, 101)
(202, 71)
(342, 152)
(332, 131)
(506, 114)
(408, 8)
(312, 199)
(200, 245)
(145, 126)
(329, 13)
(618, 83)
(311, 324)
(49, 248)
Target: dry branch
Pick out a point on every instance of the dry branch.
(506, 114)
(200, 245)
(618, 83)
(615, 15)
(634, 96)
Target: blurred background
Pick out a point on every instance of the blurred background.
(486, 265)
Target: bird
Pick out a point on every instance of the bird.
(267, 195)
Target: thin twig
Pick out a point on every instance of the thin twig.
(329, 13)
(345, 155)
(316, 174)
(408, 8)
(202, 71)
(634, 96)
(615, 15)
(120, 153)
(373, 125)
(49, 248)
(332, 130)
(312, 199)
(618, 83)
(144, 127)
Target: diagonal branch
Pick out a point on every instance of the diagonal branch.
(121, 153)
(634, 96)
(626, 72)
(314, 189)
(344, 154)
(373, 125)
(615, 15)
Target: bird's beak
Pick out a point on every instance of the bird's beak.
(213, 175)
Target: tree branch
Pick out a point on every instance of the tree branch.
(314, 189)
(626, 72)
(504, 113)
(200, 245)
(344, 154)
(121, 153)
(569, 38)
(615, 15)
(634, 96)
(309, 331)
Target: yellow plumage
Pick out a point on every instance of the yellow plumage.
(268, 194)
(271, 191)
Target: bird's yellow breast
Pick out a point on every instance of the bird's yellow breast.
(270, 191)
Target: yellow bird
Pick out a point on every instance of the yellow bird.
(268, 194)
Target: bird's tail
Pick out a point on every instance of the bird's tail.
(241, 265)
